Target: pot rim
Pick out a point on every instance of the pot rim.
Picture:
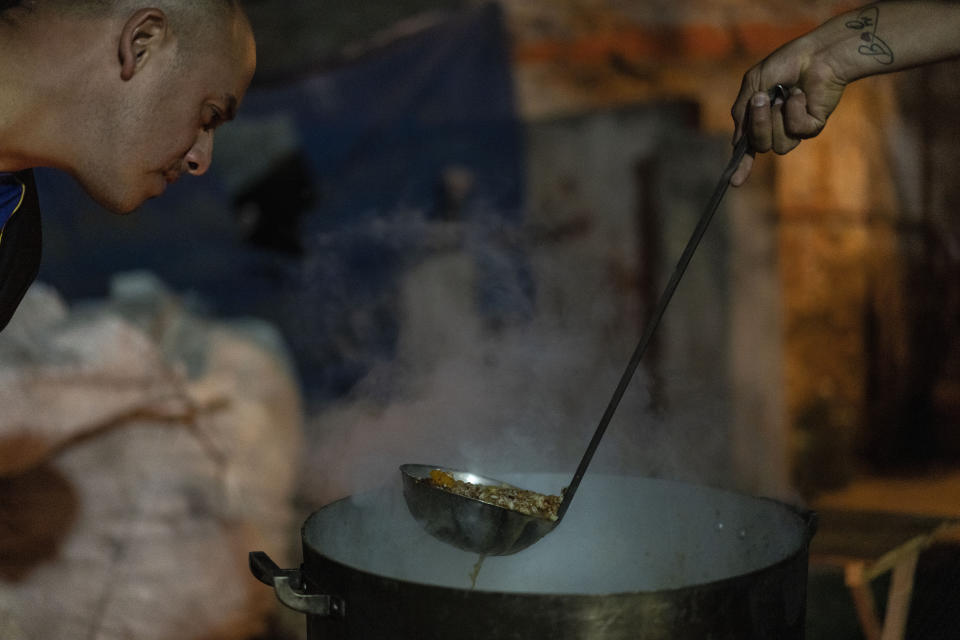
(807, 518)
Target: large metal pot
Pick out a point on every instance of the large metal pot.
(634, 558)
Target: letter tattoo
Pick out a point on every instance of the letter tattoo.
(872, 45)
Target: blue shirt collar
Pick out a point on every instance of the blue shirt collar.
(11, 195)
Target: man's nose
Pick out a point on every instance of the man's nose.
(200, 155)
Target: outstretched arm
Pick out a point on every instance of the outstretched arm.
(878, 38)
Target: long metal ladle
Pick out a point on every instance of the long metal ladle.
(488, 529)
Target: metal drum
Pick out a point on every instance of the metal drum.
(634, 558)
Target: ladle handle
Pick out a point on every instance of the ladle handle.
(739, 152)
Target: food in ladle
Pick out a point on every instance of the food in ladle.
(524, 501)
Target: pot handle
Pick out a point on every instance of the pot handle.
(288, 585)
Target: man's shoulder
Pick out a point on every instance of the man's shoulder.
(20, 243)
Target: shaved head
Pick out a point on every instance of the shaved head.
(101, 7)
(189, 19)
(104, 6)
(150, 81)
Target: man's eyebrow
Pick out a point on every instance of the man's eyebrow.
(231, 101)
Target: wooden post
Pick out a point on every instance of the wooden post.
(898, 600)
(859, 585)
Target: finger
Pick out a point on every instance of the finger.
(798, 122)
(782, 142)
(739, 109)
(743, 171)
(737, 112)
(761, 138)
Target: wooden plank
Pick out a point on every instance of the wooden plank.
(869, 535)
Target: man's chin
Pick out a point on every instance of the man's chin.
(119, 205)
(122, 209)
(123, 194)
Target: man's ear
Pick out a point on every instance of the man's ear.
(143, 32)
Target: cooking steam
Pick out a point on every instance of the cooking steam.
(524, 397)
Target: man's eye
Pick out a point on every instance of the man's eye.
(213, 121)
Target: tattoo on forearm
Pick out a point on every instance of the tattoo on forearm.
(872, 46)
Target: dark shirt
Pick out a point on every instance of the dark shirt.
(20, 236)
(20, 239)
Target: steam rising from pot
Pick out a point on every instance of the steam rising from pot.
(523, 398)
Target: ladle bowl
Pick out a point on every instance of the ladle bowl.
(468, 523)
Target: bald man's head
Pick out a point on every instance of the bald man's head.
(191, 20)
(150, 81)
(99, 7)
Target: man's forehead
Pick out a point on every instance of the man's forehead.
(246, 57)
(228, 75)
(226, 69)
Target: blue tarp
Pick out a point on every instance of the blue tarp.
(374, 139)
